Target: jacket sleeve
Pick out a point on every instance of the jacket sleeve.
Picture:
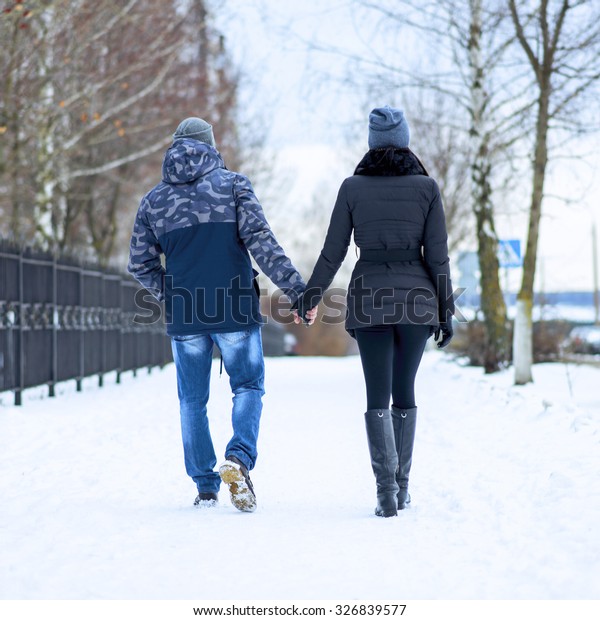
(144, 255)
(435, 255)
(257, 236)
(333, 252)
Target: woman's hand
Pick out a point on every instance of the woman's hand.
(443, 334)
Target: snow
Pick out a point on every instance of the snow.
(506, 494)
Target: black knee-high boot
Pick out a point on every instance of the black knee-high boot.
(405, 422)
(384, 459)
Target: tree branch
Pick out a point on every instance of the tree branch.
(523, 40)
(114, 20)
(124, 104)
(560, 20)
(153, 53)
(578, 91)
(149, 150)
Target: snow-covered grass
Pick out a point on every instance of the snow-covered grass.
(95, 502)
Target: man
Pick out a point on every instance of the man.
(205, 219)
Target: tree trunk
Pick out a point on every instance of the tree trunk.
(48, 146)
(523, 341)
(492, 300)
(16, 218)
(496, 352)
(10, 163)
(45, 185)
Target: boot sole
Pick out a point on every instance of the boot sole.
(206, 503)
(240, 493)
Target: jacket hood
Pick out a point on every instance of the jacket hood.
(187, 160)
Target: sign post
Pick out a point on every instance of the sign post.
(509, 253)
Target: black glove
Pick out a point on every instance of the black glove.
(443, 334)
(307, 301)
(301, 309)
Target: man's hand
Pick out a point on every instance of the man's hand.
(311, 315)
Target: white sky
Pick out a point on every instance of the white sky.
(310, 119)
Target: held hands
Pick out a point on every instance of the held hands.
(443, 334)
(309, 319)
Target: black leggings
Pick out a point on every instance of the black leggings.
(390, 356)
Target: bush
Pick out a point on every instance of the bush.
(547, 338)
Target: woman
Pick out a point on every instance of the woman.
(400, 292)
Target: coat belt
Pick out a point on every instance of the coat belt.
(390, 256)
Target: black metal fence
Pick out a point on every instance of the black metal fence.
(63, 320)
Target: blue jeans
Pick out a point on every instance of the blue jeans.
(243, 360)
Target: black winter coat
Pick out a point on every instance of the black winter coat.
(389, 203)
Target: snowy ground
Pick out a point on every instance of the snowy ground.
(95, 503)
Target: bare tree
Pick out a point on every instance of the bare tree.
(65, 69)
(496, 352)
(93, 91)
(18, 75)
(560, 40)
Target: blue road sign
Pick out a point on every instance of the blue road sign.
(509, 253)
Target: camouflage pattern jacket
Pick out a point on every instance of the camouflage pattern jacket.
(205, 219)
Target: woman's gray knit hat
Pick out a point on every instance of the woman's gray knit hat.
(196, 129)
(388, 127)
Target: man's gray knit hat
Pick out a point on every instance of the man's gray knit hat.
(196, 129)
(388, 127)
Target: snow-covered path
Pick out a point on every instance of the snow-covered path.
(95, 503)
